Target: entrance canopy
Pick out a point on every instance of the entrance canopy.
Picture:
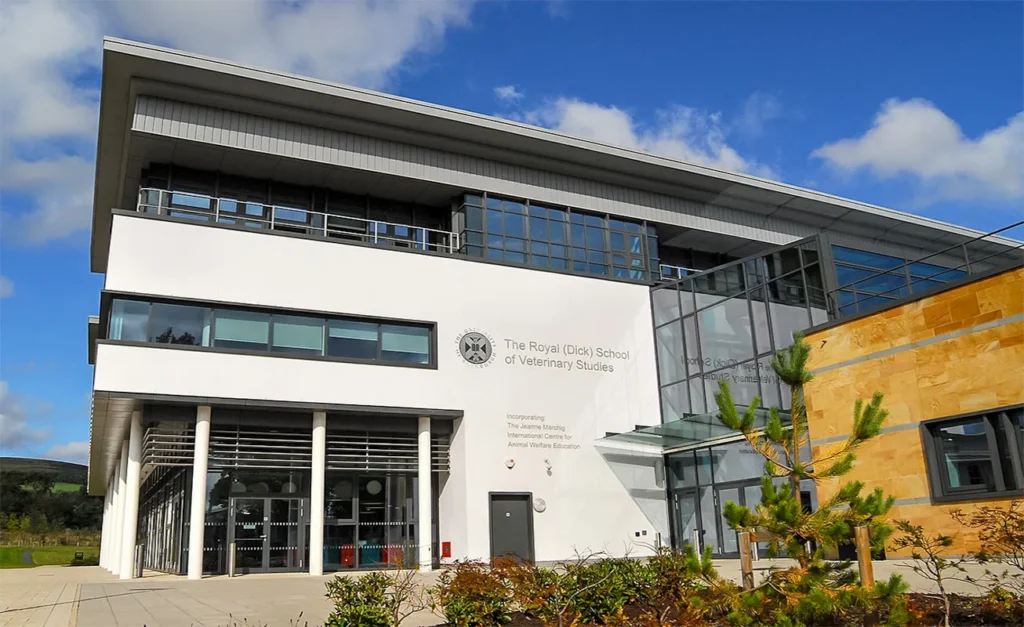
(691, 431)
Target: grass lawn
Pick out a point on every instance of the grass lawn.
(10, 556)
(66, 487)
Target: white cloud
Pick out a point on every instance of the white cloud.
(508, 93)
(6, 287)
(758, 109)
(61, 192)
(679, 132)
(16, 430)
(75, 452)
(915, 138)
(50, 54)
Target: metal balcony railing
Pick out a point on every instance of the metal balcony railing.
(865, 300)
(671, 273)
(282, 218)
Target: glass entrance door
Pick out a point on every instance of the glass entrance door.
(268, 533)
(747, 494)
(285, 537)
(248, 533)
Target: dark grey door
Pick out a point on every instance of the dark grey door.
(512, 526)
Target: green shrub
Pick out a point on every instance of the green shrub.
(361, 601)
(472, 594)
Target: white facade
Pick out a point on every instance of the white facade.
(596, 336)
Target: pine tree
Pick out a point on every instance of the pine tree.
(780, 512)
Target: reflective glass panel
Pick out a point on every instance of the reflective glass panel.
(297, 334)
(670, 353)
(965, 455)
(405, 343)
(241, 329)
(725, 333)
(352, 339)
(180, 324)
(128, 320)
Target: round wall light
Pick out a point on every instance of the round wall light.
(374, 487)
(539, 505)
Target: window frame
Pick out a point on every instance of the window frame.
(107, 299)
(938, 477)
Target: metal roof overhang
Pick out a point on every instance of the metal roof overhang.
(127, 66)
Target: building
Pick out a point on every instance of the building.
(341, 329)
(951, 366)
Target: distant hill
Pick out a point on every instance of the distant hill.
(61, 472)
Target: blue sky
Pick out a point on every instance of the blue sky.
(914, 106)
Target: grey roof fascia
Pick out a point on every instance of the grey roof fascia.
(125, 60)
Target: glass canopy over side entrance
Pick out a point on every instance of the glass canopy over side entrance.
(690, 431)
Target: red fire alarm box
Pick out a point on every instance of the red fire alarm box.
(446, 549)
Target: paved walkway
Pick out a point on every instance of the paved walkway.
(88, 596)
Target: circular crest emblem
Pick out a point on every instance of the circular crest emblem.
(476, 348)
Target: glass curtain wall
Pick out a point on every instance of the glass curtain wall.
(868, 280)
(702, 481)
(560, 238)
(162, 516)
(727, 324)
(369, 521)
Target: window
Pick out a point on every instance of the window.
(352, 339)
(179, 324)
(529, 234)
(241, 329)
(269, 332)
(128, 319)
(975, 454)
(405, 343)
(295, 334)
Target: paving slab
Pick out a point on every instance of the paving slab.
(88, 596)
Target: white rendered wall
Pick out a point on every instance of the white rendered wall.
(589, 507)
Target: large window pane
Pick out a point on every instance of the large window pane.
(965, 456)
(474, 218)
(595, 238)
(666, 304)
(128, 319)
(493, 220)
(295, 334)
(515, 225)
(742, 378)
(670, 352)
(241, 329)
(556, 232)
(405, 343)
(674, 402)
(693, 360)
(352, 339)
(180, 324)
(539, 229)
(725, 333)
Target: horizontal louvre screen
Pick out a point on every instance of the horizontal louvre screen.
(169, 444)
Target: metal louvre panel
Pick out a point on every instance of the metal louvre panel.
(248, 447)
(394, 452)
(168, 445)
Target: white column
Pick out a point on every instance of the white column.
(106, 542)
(122, 476)
(131, 498)
(197, 517)
(316, 494)
(104, 529)
(424, 499)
